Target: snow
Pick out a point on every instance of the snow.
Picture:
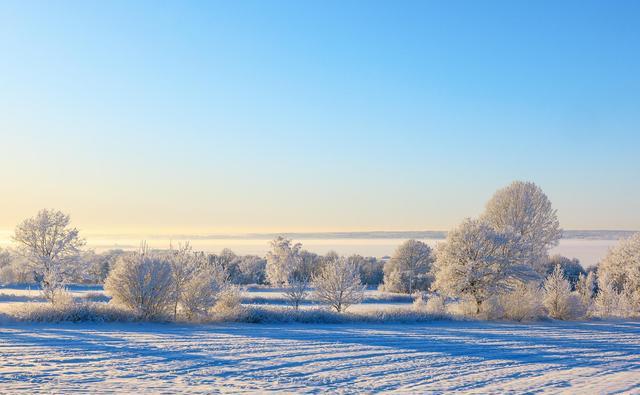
(474, 357)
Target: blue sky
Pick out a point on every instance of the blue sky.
(345, 115)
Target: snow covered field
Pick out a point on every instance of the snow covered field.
(480, 357)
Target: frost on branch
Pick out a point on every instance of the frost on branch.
(338, 284)
(51, 248)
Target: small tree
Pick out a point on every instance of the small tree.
(282, 260)
(409, 268)
(558, 300)
(338, 285)
(586, 287)
(51, 248)
(143, 283)
(297, 291)
(607, 302)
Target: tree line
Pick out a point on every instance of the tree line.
(496, 265)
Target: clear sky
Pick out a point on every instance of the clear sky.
(246, 116)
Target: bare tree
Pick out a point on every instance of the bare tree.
(338, 284)
(524, 209)
(297, 291)
(50, 246)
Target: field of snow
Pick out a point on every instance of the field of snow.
(480, 357)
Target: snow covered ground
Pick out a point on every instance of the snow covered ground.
(475, 357)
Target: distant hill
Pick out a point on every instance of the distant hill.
(427, 234)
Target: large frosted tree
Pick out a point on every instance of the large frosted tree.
(51, 247)
(524, 209)
(409, 267)
(476, 261)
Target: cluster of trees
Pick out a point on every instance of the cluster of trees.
(497, 264)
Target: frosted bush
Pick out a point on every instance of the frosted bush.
(200, 294)
(436, 305)
(524, 303)
(142, 283)
(73, 312)
(229, 306)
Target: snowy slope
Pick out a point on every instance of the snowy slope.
(601, 357)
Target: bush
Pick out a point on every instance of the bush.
(523, 303)
(324, 316)
(141, 283)
(78, 312)
(229, 306)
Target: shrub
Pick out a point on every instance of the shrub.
(141, 283)
(74, 312)
(229, 306)
(523, 303)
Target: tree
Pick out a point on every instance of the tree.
(571, 268)
(282, 259)
(297, 291)
(608, 301)
(371, 269)
(621, 269)
(524, 209)
(476, 261)
(586, 288)
(409, 268)
(143, 283)
(558, 300)
(51, 247)
(252, 269)
(338, 285)
(184, 264)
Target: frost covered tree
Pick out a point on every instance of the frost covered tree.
(409, 268)
(586, 288)
(338, 284)
(297, 291)
(571, 268)
(607, 302)
(202, 290)
(524, 209)
(252, 269)
(558, 299)
(142, 282)
(184, 266)
(51, 247)
(621, 270)
(282, 260)
(476, 261)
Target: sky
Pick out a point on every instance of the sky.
(262, 116)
